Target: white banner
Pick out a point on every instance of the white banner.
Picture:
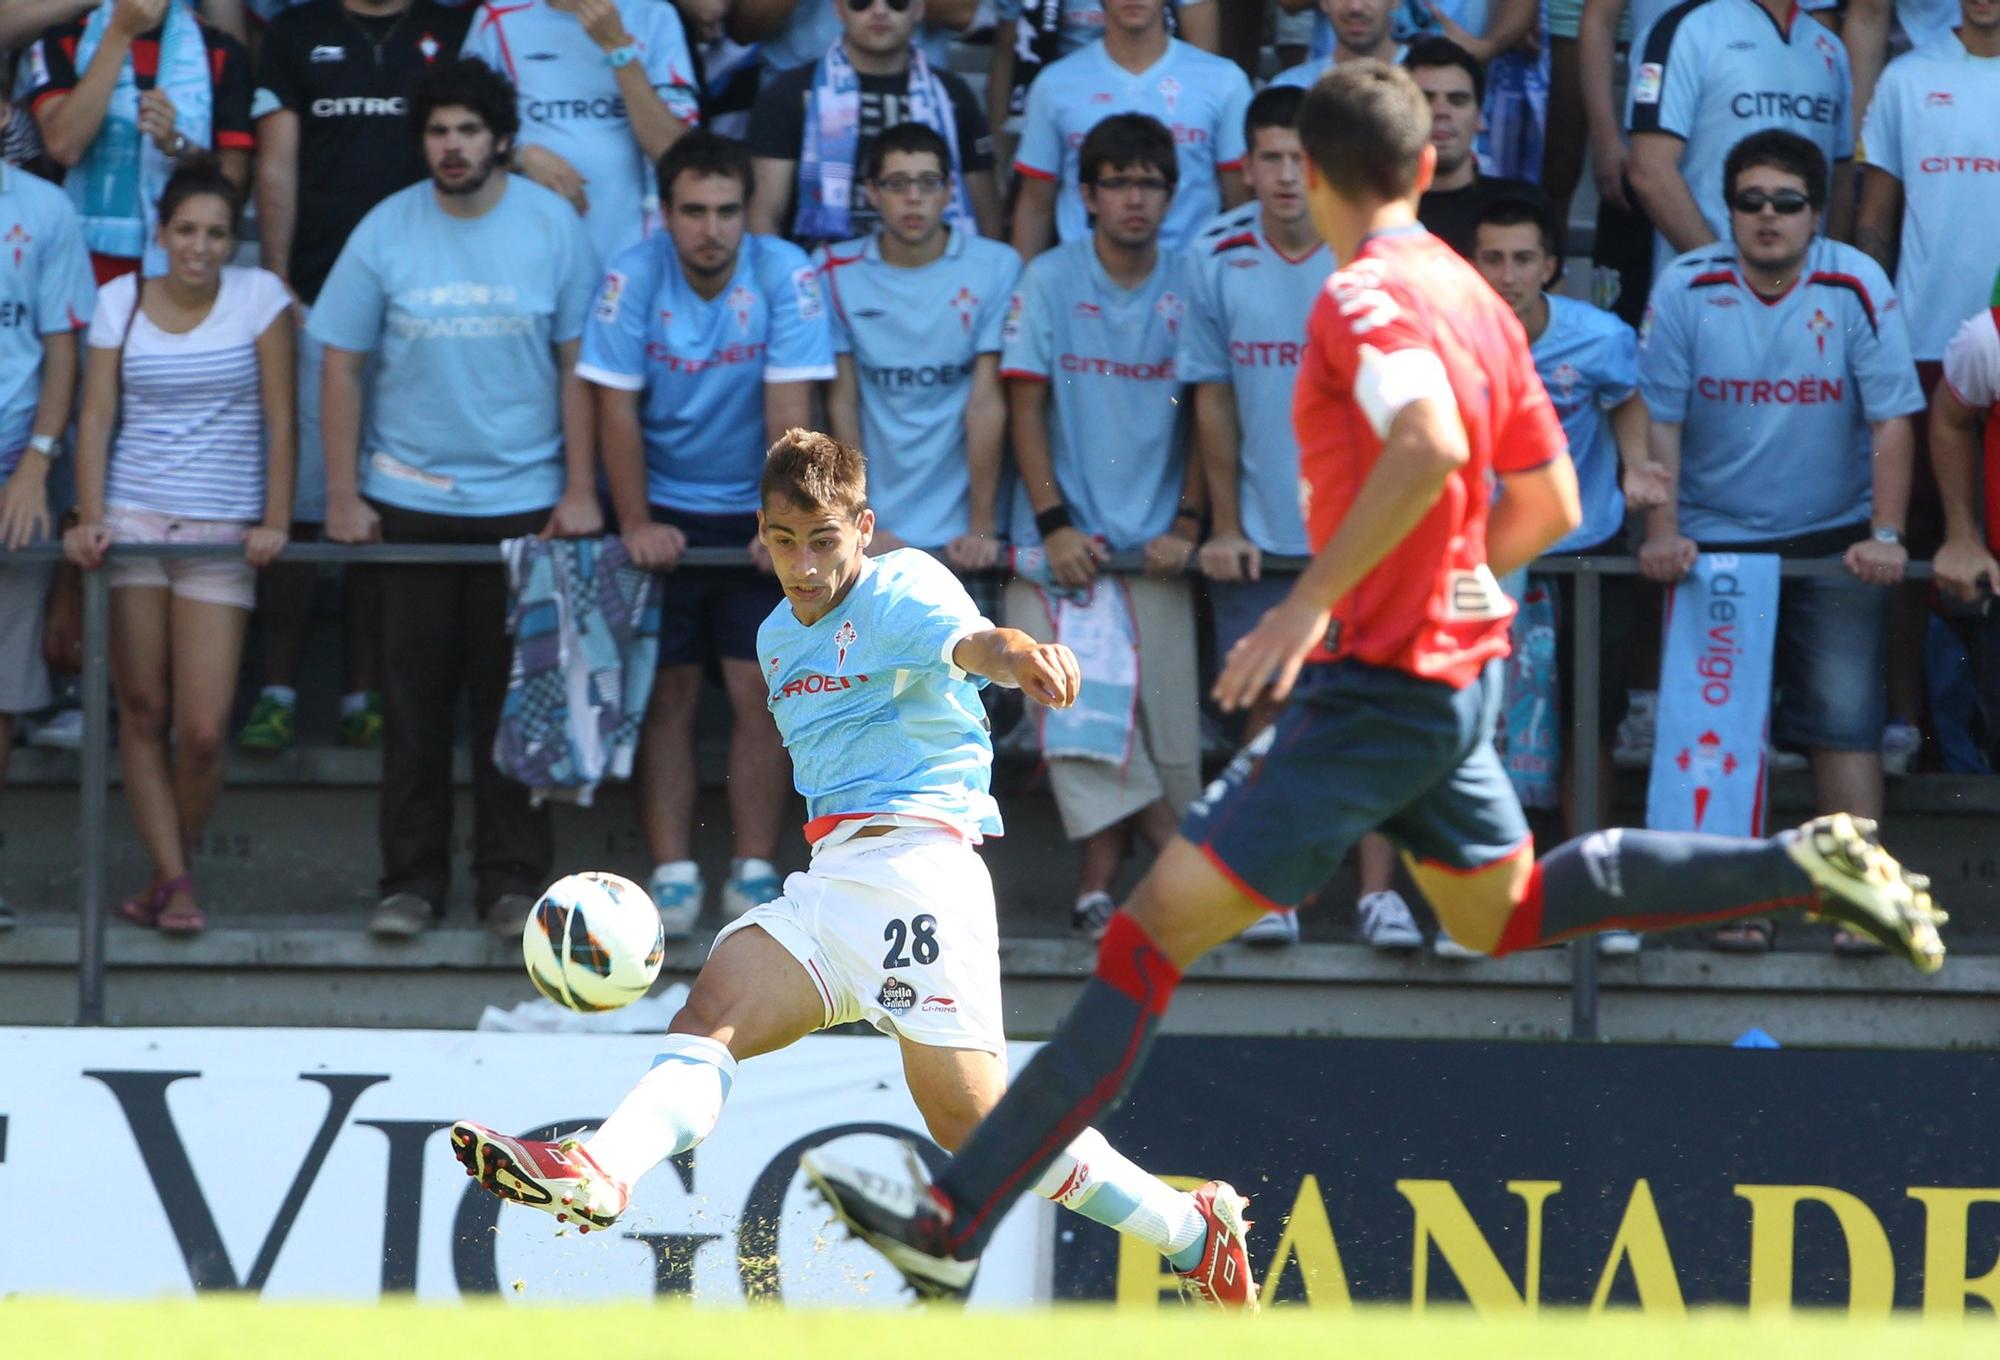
(314, 1164)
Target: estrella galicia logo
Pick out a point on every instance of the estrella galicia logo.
(896, 996)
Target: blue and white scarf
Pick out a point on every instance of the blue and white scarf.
(116, 185)
(833, 141)
(1096, 624)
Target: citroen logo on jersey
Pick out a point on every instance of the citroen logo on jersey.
(1170, 91)
(843, 638)
(965, 304)
(1171, 310)
(740, 301)
(1820, 324)
(18, 238)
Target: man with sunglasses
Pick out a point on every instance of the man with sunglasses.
(1098, 422)
(1779, 379)
(916, 308)
(812, 128)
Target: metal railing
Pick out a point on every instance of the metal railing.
(1587, 572)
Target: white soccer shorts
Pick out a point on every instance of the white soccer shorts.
(897, 930)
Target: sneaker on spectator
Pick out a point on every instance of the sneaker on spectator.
(1447, 948)
(63, 732)
(401, 916)
(1386, 922)
(677, 891)
(1273, 930)
(1901, 744)
(1634, 749)
(1091, 914)
(272, 725)
(361, 728)
(1617, 944)
(752, 883)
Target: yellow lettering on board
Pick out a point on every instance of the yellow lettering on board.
(1440, 1217)
(1641, 1242)
(1871, 1270)
(1946, 1285)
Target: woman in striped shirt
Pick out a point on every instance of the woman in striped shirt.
(186, 436)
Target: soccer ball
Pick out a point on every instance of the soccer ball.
(594, 942)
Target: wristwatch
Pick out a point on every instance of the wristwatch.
(44, 444)
(622, 56)
(1884, 534)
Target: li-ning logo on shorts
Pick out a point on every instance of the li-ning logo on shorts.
(896, 996)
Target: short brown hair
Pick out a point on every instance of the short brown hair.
(815, 471)
(1365, 124)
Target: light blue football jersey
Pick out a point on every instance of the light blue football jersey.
(1589, 362)
(1711, 72)
(1200, 97)
(1115, 414)
(1773, 398)
(914, 335)
(1246, 325)
(570, 102)
(876, 716)
(702, 364)
(48, 290)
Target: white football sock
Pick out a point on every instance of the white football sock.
(673, 1107)
(1094, 1179)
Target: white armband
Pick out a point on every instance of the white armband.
(1386, 383)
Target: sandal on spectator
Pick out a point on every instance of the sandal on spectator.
(143, 908)
(1743, 937)
(187, 920)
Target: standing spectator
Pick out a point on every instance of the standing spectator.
(704, 347)
(605, 87)
(1864, 28)
(918, 383)
(1711, 73)
(1137, 68)
(1455, 86)
(469, 293)
(1928, 145)
(813, 126)
(1252, 278)
(1622, 245)
(43, 300)
(1965, 449)
(793, 33)
(1588, 361)
(185, 437)
(332, 142)
(1095, 403)
(1361, 28)
(125, 95)
(1779, 379)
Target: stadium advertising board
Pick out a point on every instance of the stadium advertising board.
(315, 1164)
(1516, 1175)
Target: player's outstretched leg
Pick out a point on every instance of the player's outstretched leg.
(1833, 867)
(752, 997)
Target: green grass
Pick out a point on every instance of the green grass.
(242, 1329)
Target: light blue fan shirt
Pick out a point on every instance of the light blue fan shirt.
(1774, 398)
(1115, 414)
(877, 718)
(464, 415)
(1201, 98)
(913, 336)
(1589, 362)
(702, 364)
(1246, 326)
(46, 288)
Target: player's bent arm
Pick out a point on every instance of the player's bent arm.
(1044, 671)
(1533, 512)
(843, 402)
(1879, 216)
(1034, 216)
(1655, 172)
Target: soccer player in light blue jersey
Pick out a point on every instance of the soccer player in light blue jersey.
(706, 341)
(1137, 68)
(606, 86)
(1094, 396)
(873, 666)
(1780, 383)
(917, 307)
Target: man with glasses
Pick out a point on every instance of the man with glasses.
(916, 308)
(1138, 68)
(704, 346)
(1779, 378)
(1097, 417)
(813, 126)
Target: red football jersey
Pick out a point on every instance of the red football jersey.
(1407, 318)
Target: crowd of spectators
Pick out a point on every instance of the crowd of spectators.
(562, 267)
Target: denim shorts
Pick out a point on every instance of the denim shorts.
(1828, 671)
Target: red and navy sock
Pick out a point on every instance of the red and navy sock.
(1079, 1074)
